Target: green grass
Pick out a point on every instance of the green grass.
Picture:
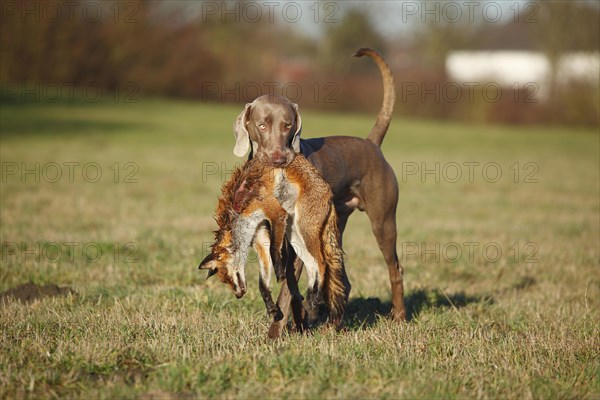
(145, 323)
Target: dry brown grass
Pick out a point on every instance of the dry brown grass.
(151, 326)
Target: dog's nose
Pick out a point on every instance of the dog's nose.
(278, 159)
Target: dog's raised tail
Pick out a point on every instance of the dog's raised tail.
(389, 96)
(335, 289)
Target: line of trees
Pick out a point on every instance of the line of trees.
(172, 49)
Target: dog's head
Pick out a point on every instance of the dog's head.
(270, 126)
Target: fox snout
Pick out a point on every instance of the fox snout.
(240, 288)
(240, 293)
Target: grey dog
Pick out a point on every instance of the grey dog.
(355, 168)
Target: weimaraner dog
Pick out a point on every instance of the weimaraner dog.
(355, 168)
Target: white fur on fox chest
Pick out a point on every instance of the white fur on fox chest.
(244, 229)
(287, 194)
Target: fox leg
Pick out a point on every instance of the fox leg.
(262, 243)
(278, 229)
(307, 247)
(272, 308)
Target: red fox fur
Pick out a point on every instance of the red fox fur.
(261, 205)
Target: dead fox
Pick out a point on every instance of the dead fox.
(261, 205)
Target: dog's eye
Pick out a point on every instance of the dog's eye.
(262, 127)
(288, 126)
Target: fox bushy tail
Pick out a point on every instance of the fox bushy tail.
(335, 293)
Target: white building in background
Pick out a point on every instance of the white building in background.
(521, 69)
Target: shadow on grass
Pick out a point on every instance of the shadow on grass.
(363, 312)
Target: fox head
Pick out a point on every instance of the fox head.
(227, 264)
(237, 227)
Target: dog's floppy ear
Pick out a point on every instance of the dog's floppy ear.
(298, 127)
(242, 140)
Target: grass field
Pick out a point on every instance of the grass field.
(501, 271)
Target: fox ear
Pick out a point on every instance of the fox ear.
(209, 259)
(211, 272)
(210, 264)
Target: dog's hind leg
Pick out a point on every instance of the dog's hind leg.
(381, 209)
